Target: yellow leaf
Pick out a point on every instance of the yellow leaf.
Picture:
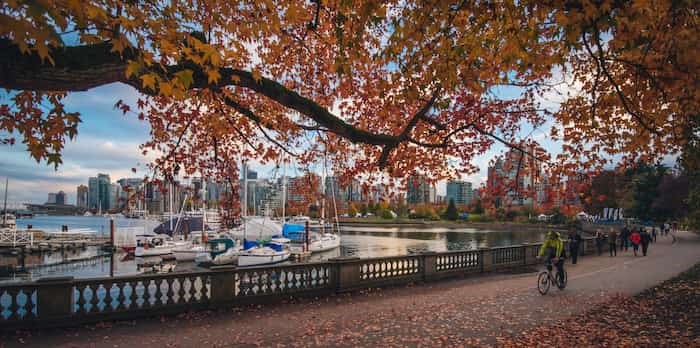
(213, 75)
(256, 75)
(149, 80)
(132, 68)
(166, 88)
(185, 77)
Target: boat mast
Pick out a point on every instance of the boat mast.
(284, 190)
(4, 208)
(245, 198)
(170, 205)
(323, 199)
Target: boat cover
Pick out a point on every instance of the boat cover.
(293, 231)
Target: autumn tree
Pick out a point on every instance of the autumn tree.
(391, 85)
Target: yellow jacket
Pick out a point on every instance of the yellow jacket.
(555, 243)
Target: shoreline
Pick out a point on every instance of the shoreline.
(500, 226)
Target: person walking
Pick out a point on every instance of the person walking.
(574, 245)
(653, 234)
(635, 238)
(599, 240)
(673, 229)
(612, 242)
(645, 239)
(624, 238)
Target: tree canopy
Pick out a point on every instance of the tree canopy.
(395, 85)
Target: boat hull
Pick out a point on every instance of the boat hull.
(328, 242)
(246, 260)
(187, 254)
(155, 251)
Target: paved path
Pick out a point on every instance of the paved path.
(477, 310)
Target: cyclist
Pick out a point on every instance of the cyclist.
(553, 248)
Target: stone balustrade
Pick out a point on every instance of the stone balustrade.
(61, 301)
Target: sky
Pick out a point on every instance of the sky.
(108, 142)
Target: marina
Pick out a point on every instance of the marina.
(82, 254)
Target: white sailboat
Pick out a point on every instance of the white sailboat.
(150, 245)
(190, 251)
(256, 254)
(266, 254)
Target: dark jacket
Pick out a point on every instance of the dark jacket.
(574, 241)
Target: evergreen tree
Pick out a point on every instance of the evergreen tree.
(478, 208)
(451, 213)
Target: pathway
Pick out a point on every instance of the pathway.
(475, 310)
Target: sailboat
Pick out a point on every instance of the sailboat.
(260, 252)
(8, 220)
(319, 240)
(190, 251)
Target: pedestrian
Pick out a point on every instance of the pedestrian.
(645, 239)
(653, 234)
(612, 242)
(624, 238)
(599, 240)
(635, 238)
(672, 230)
(574, 245)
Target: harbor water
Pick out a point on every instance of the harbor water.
(363, 242)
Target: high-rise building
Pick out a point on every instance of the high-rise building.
(419, 190)
(114, 194)
(354, 191)
(334, 192)
(103, 190)
(459, 191)
(61, 198)
(516, 178)
(81, 199)
(93, 193)
(131, 196)
(214, 191)
(58, 198)
(153, 199)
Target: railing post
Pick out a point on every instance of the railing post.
(346, 273)
(527, 258)
(486, 259)
(222, 285)
(54, 298)
(429, 265)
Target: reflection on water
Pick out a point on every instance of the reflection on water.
(394, 241)
(360, 242)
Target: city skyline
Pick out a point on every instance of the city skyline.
(108, 142)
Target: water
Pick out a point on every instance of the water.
(81, 224)
(363, 242)
(393, 241)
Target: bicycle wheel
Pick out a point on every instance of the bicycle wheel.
(543, 283)
(562, 279)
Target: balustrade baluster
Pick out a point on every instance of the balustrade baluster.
(94, 300)
(159, 293)
(134, 296)
(181, 291)
(193, 289)
(14, 304)
(108, 297)
(170, 293)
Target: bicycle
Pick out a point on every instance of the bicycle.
(546, 278)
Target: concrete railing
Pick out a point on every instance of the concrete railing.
(61, 301)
